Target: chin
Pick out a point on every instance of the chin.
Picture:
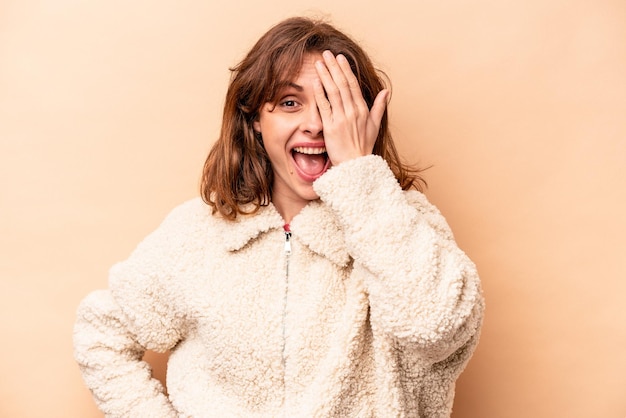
(309, 195)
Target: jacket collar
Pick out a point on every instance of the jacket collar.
(315, 226)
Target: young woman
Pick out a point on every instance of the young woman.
(309, 280)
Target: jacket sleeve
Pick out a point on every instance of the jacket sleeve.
(423, 290)
(110, 360)
(140, 310)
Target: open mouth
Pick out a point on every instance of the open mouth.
(310, 162)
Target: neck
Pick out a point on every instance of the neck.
(287, 207)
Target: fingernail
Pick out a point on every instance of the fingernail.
(327, 54)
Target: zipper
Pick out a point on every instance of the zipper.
(285, 296)
(287, 247)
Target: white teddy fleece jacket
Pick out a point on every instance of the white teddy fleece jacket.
(373, 311)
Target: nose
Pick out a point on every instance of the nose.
(312, 122)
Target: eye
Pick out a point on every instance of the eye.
(289, 104)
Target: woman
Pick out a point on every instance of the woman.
(309, 281)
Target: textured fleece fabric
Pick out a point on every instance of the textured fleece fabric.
(374, 312)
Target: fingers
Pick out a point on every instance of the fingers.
(340, 84)
(353, 84)
(329, 84)
(350, 126)
(323, 105)
(378, 108)
(340, 81)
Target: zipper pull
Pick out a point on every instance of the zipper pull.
(287, 239)
(287, 242)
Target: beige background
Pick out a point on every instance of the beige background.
(108, 108)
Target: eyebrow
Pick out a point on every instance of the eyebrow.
(283, 85)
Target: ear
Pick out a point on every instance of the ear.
(256, 125)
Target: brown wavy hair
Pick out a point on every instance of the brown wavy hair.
(237, 176)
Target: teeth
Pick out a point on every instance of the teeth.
(310, 150)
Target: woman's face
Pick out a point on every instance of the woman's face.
(292, 133)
